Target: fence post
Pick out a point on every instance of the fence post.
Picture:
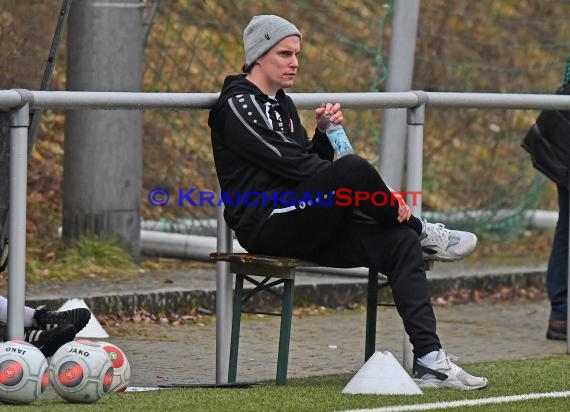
(416, 116)
(4, 178)
(223, 299)
(19, 123)
(102, 174)
(568, 274)
(400, 76)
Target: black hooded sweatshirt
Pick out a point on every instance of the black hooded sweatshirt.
(261, 150)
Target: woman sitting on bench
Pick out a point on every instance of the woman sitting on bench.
(282, 194)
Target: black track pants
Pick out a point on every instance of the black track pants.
(348, 236)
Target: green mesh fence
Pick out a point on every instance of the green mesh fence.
(473, 160)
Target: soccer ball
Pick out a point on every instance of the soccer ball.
(23, 375)
(121, 367)
(81, 371)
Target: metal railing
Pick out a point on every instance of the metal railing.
(20, 102)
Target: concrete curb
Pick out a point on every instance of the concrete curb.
(322, 293)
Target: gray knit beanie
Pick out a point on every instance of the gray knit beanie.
(262, 33)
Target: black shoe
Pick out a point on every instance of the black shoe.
(3, 331)
(556, 330)
(46, 319)
(49, 341)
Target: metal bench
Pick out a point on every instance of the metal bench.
(276, 272)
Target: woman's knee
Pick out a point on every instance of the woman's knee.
(355, 171)
(355, 164)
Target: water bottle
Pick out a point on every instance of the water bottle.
(336, 134)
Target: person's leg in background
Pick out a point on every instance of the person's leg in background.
(45, 329)
(28, 312)
(557, 272)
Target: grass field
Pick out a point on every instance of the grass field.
(529, 376)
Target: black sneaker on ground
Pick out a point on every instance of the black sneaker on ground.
(556, 330)
(3, 331)
(49, 341)
(46, 319)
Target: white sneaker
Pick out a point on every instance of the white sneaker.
(443, 373)
(439, 243)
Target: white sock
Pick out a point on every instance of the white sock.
(28, 312)
(430, 357)
(29, 316)
(3, 309)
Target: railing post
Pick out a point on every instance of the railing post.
(416, 117)
(568, 289)
(19, 123)
(223, 299)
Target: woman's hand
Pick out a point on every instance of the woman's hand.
(404, 211)
(333, 110)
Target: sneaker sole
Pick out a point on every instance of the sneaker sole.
(437, 258)
(552, 335)
(437, 384)
(445, 258)
(450, 258)
(79, 327)
(78, 321)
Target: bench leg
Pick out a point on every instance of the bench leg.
(285, 332)
(371, 313)
(236, 323)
